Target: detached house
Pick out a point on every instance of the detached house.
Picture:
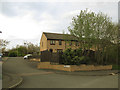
(55, 42)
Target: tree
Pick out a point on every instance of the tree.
(32, 48)
(27, 48)
(3, 44)
(94, 30)
(21, 50)
(12, 54)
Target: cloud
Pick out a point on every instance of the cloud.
(59, 1)
(25, 26)
(27, 21)
(71, 14)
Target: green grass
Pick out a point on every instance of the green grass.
(116, 67)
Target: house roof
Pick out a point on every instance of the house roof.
(56, 36)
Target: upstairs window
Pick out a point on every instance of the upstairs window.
(59, 50)
(60, 42)
(52, 42)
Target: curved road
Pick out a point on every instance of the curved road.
(34, 78)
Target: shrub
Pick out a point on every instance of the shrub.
(12, 54)
(74, 57)
(76, 60)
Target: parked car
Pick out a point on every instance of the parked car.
(1, 56)
(27, 56)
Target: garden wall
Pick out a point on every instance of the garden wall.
(47, 65)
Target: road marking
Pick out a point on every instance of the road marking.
(30, 74)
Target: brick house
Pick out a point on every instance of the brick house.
(55, 42)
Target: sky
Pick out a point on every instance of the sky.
(25, 20)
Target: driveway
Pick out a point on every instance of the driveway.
(34, 78)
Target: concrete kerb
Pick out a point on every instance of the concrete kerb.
(14, 82)
(88, 74)
(85, 73)
(18, 83)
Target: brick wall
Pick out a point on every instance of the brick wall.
(56, 46)
(90, 67)
(43, 43)
(47, 65)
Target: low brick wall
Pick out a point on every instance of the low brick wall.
(47, 65)
(90, 67)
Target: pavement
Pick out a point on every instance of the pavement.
(11, 80)
(35, 78)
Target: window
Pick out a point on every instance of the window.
(70, 43)
(60, 42)
(59, 50)
(52, 42)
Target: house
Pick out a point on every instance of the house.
(55, 42)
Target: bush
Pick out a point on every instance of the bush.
(12, 54)
(74, 57)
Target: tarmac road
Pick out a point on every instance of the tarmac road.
(34, 78)
(0, 74)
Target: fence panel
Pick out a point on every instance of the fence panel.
(53, 58)
(45, 56)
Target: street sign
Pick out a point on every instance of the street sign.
(66, 66)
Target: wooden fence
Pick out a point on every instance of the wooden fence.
(47, 56)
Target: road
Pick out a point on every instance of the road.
(34, 78)
(0, 74)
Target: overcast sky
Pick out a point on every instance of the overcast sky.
(25, 20)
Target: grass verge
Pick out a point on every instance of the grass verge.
(116, 67)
